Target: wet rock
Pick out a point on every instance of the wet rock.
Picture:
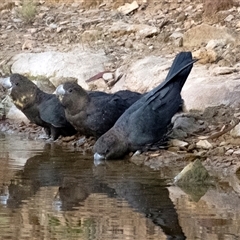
(138, 159)
(193, 174)
(164, 159)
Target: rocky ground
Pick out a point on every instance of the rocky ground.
(127, 33)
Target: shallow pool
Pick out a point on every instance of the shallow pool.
(50, 192)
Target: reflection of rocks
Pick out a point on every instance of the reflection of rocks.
(193, 174)
(220, 203)
(194, 180)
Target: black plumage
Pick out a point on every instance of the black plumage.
(41, 108)
(146, 122)
(93, 113)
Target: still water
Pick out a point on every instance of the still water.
(48, 192)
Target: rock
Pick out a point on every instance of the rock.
(174, 149)
(45, 84)
(202, 34)
(144, 74)
(187, 124)
(16, 115)
(178, 143)
(229, 152)
(193, 174)
(176, 35)
(178, 42)
(194, 180)
(178, 133)
(107, 76)
(120, 28)
(205, 55)
(56, 65)
(204, 144)
(4, 36)
(99, 85)
(139, 46)
(138, 159)
(177, 38)
(235, 132)
(146, 31)
(214, 43)
(218, 151)
(238, 24)
(128, 43)
(141, 30)
(59, 80)
(237, 152)
(181, 17)
(128, 7)
(164, 159)
(202, 90)
(223, 70)
(229, 18)
(91, 35)
(191, 147)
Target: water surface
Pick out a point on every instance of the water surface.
(50, 192)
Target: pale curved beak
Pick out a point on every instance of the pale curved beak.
(98, 157)
(6, 82)
(59, 90)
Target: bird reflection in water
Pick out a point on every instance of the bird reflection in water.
(78, 179)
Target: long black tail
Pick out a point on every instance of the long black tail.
(181, 67)
(179, 71)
